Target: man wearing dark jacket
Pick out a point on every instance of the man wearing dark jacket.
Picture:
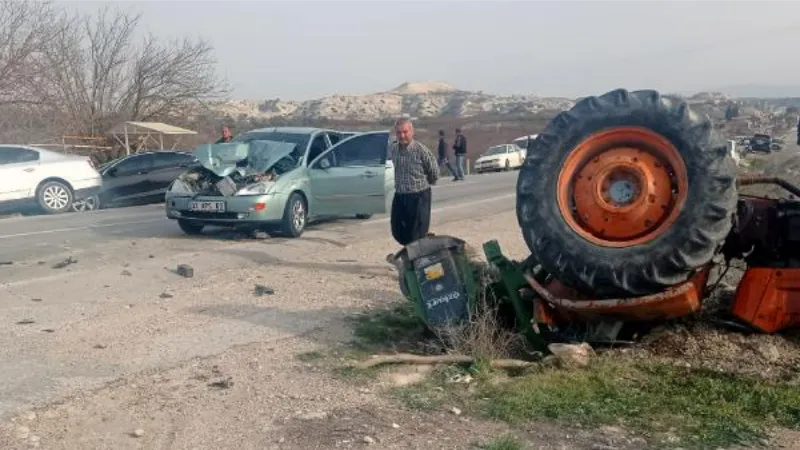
(443, 159)
(460, 147)
(226, 136)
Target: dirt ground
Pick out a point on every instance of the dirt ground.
(265, 395)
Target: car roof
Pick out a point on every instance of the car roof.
(290, 130)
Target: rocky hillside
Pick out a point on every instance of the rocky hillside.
(420, 100)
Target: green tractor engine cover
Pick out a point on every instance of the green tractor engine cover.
(438, 278)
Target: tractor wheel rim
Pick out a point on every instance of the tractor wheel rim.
(55, 197)
(298, 214)
(622, 187)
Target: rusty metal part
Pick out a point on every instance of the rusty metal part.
(755, 179)
(768, 299)
(623, 186)
(677, 301)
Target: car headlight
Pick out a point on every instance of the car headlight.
(180, 188)
(255, 189)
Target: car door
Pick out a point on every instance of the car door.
(166, 168)
(349, 178)
(18, 172)
(129, 179)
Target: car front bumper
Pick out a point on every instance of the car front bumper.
(239, 210)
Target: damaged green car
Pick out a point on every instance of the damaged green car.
(281, 179)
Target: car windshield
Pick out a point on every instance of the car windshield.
(287, 163)
(498, 150)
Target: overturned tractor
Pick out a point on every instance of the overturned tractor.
(624, 201)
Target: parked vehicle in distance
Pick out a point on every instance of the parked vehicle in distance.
(137, 179)
(763, 143)
(281, 179)
(524, 141)
(50, 179)
(500, 157)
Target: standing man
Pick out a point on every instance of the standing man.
(226, 136)
(443, 160)
(415, 170)
(460, 147)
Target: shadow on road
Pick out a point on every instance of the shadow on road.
(364, 270)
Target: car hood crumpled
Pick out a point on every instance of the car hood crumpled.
(253, 156)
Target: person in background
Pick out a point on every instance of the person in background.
(226, 136)
(798, 130)
(443, 159)
(460, 148)
(415, 171)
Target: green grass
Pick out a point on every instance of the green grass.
(388, 327)
(703, 408)
(310, 356)
(502, 443)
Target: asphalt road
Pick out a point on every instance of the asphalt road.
(29, 238)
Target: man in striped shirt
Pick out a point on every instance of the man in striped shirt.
(415, 170)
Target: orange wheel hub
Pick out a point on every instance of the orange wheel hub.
(622, 187)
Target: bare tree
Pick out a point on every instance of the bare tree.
(97, 75)
(26, 27)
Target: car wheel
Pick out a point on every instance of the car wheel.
(88, 204)
(54, 197)
(190, 228)
(363, 216)
(295, 216)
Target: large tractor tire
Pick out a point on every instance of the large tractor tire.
(626, 194)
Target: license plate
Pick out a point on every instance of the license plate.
(207, 206)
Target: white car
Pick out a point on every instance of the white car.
(52, 180)
(500, 157)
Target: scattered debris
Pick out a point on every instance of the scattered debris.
(6, 263)
(185, 271)
(368, 440)
(222, 384)
(460, 378)
(572, 355)
(100, 346)
(48, 330)
(65, 263)
(125, 273)
(395, 426)
(406, 358)
(165, 295)
(137, 433)
(263, 290)
(151, 256)
(25, 322)
(258, 234)
(455, 411)
(36, 299)
(313, 415)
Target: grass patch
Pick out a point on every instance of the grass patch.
(388, 327)
(310, 356)
(502, 443)
(702, 408)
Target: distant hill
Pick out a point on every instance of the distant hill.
(760, 91)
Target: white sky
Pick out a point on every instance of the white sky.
(303, 49)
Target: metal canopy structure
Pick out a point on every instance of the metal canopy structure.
(144, 132)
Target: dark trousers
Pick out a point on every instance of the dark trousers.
(411, 216)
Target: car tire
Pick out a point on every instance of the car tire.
(663, 250)
(295, 216)
(88, 204)
(190, 228)
(363, 216)
(54, 197)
